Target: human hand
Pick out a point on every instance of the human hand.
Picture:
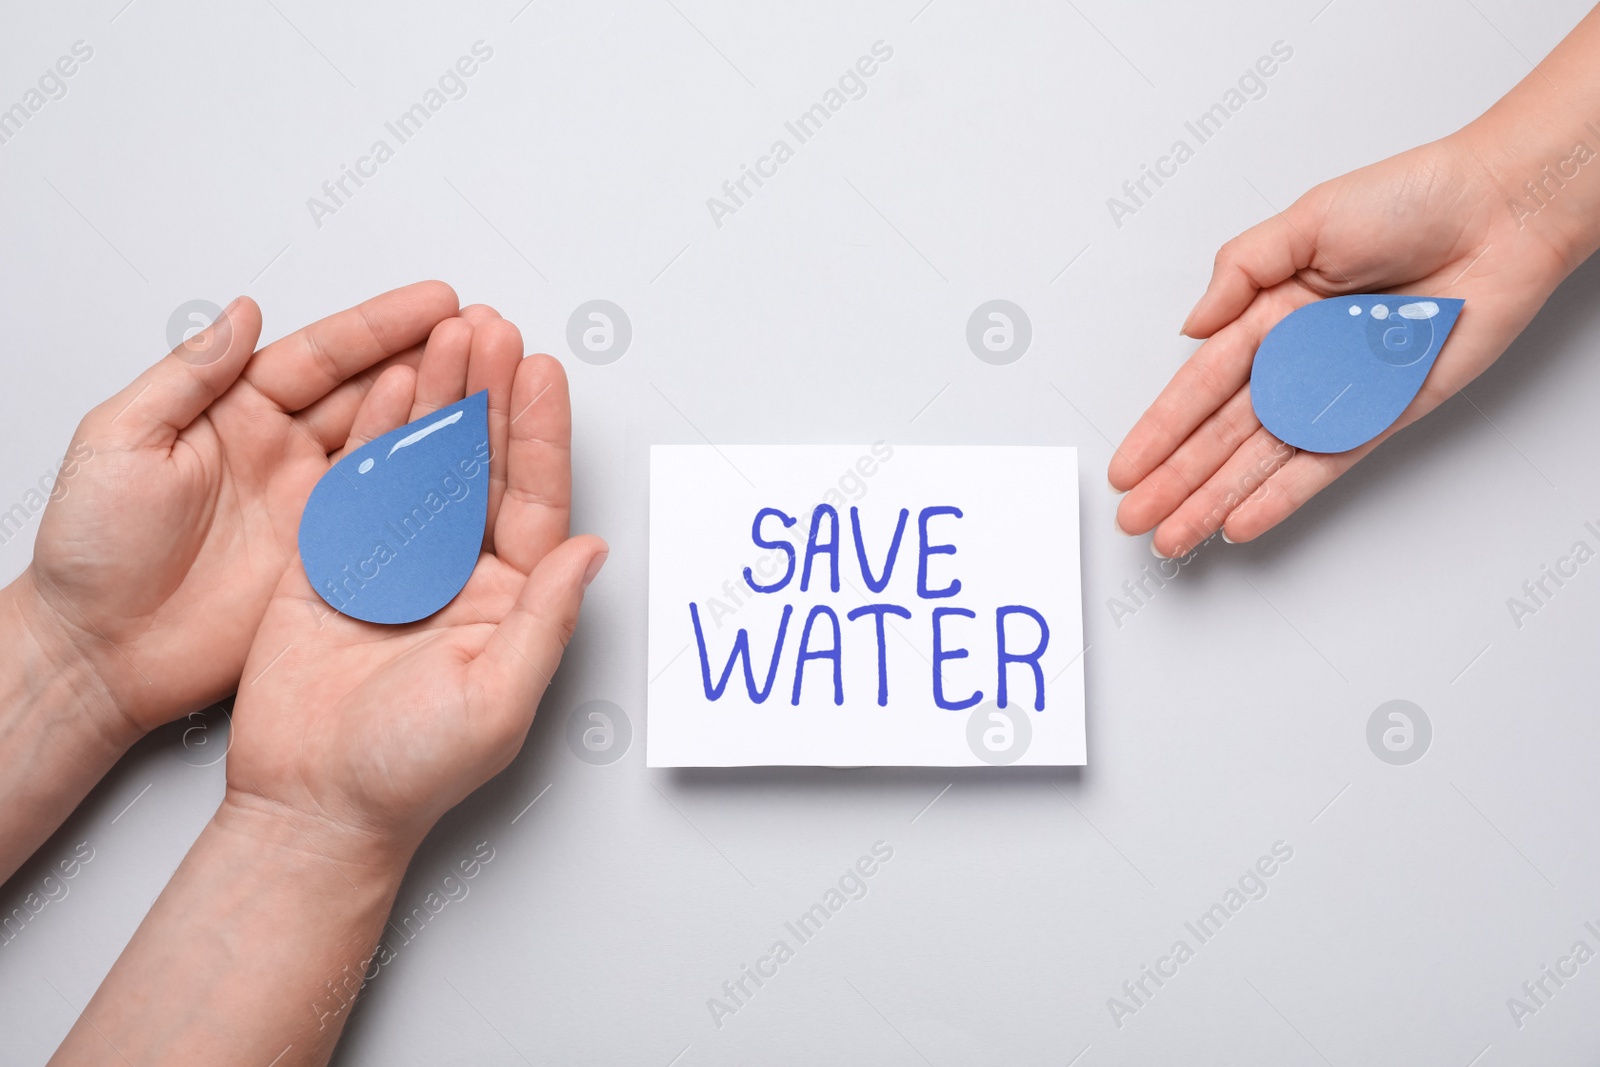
(365, 733)
(154, 565)
(1430, 222)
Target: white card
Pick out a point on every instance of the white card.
(984, 569)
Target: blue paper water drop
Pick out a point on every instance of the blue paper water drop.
(392, 532)
(1335, 374)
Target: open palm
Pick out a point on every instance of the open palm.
(1428, 222)
(380, 729)
(160, 550)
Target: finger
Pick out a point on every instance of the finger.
(1215, 373)
(1464, 356)
(1308, 473)
(1261, 257)
(305, 366)
(1296, 482)
(169, 396)
(1205, 511)
(1199, 457)
(387, 407)
(329, 420)
(478, 314)
(537, 508)
(496, 354)
(442, 375)
(519, 660)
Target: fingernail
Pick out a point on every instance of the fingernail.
(1189, 322)
(1156, 552)
(1226, 538)
(595, 564)
(1116, 520)
(232, 304)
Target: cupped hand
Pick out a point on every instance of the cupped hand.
(375, 730)
(177, 512)
(1433, 221)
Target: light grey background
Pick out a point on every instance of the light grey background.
(1227, 714)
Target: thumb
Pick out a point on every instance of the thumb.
(165, 399)
(1264, 255)
(528, 643)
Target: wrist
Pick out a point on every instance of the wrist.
(59, 731)
(53, 675)
(360, 854)
(259, 944)
(1545, 163)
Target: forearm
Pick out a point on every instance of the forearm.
(254, 950)
(1542, 143)
(59, 734)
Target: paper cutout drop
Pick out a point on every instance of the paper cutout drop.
(392, 532)
(1335, 374)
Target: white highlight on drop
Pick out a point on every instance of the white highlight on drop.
(1355, 309)
(411, 439)
(1380, 311)
(366, 465)
(1425, 309)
